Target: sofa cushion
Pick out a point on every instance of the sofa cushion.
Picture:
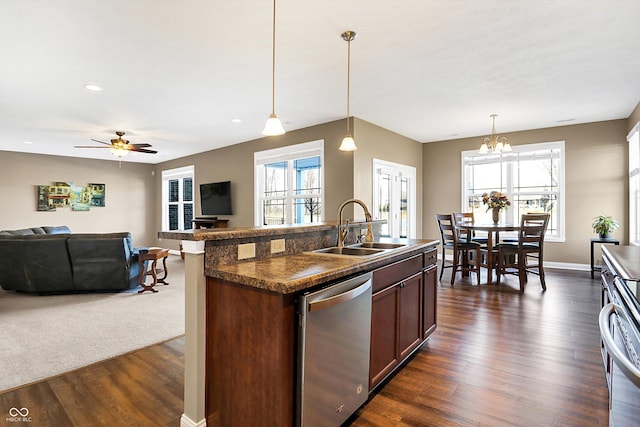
(35, 263)
(59, 229)
(100, 261)
(21, 232)
(38, 230)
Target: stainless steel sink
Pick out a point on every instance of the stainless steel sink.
(379, 245)
(349, 251)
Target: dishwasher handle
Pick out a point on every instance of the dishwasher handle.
(324, 303)
(618, 356)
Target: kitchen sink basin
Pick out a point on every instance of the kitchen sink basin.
(379, 245)
(349, 251)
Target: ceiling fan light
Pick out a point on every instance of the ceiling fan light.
(119, 152)
(273, 127)
(348, 144)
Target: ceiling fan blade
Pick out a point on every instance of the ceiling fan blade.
(91, 146)
(143, 145)
(101, 142)
(143, 150)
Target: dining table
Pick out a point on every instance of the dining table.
(493, 238)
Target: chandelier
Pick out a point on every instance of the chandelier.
(494, 143)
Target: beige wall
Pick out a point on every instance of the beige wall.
(235, 163)
(130, 198)
(595, 181)
(375, 142)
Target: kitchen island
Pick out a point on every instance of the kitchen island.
(248, 328)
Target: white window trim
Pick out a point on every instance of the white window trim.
(397, 170)
(288, 153)
(561, 236)
(633, 137)
(179, 174)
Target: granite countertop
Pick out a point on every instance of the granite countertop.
(293, 273)
(240, 232)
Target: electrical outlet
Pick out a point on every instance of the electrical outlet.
(247, 250)
(277, 246)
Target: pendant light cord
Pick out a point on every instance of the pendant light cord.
(348, 80)
(273, 61)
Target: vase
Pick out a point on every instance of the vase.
(496, 215)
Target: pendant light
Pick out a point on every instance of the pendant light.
(273, 126)
(348, 144)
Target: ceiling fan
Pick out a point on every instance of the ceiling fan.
(120, 147)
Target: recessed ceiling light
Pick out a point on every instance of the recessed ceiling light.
(236, 120)
(94, 88)
(565, 120)
(28, 142)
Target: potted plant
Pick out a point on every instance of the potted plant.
(604, 225)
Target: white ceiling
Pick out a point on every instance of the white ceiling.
(175, 73)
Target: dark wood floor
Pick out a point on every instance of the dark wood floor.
(498, 358)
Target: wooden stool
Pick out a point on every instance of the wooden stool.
(153, 255)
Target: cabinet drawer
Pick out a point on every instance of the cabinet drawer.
(393, 273)
(430, 257)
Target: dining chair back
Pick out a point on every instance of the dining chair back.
(468, 218)
(465, 254)
(526, 255)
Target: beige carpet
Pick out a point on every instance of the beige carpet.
(42, 336)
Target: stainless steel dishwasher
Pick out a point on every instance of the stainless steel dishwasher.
(334, 337)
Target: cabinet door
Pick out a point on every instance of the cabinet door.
(429, 299)
(410, 315)
(384, 315)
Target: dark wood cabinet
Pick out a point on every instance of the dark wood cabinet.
(429, 301)
(403, 312)
(396, 316)
(410, 315)
(384, 334)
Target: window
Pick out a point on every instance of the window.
(289, 183)
(394, 198)
(634, 185)
(177, 199)
(531, 175)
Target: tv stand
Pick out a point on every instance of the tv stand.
(209, 222)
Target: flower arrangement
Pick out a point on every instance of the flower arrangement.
(495, 199)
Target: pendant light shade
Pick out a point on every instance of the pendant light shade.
(273, 126)
(348, 144)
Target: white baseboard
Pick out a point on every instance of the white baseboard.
(188, 422)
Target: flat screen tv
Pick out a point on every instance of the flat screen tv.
(215, 198)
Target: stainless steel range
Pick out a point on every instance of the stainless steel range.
(620, 332)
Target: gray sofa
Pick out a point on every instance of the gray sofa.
(54, 260)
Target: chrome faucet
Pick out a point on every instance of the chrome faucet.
(342, 233)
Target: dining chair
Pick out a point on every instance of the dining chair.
(526, 255)
(468, 217)
(461, 248)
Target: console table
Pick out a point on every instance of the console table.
(604, 241)
(210, 223)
